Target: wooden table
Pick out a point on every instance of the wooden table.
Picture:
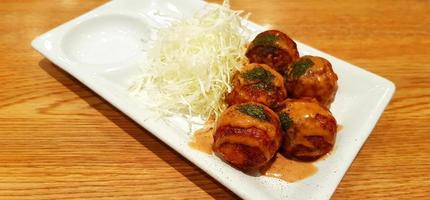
(59, 140)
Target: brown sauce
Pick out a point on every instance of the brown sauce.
(202, 140)
(280, 168)
(289, 170)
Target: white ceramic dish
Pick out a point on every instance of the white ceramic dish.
(101, 49)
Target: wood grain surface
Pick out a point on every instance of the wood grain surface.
(59, 140)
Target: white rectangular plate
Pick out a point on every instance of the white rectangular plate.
(102, 48)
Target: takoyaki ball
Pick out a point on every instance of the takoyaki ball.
(312, 76)
(273, 48)
(309, 129)
(247, 136)
(257, 83)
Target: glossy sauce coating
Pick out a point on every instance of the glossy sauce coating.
(280, 167)
(273, 48)
(245, 141)
(289, 170)
(311, 129)
(312, 76)
(257, 83)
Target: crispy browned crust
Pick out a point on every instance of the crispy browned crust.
(241, 155)
(246, 91)
(313, 130)
(279, 55)
(319, 82)
(247, 146)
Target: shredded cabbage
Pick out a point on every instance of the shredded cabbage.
(190, 65)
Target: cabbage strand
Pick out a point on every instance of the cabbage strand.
(190, 65)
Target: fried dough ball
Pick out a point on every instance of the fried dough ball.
(309, 129)
(247, 136)
(273, 48)
(312, 76)
(257, 83)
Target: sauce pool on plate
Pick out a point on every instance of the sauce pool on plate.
(339, 128)
(289, 170)
(280, 168)
(202, 140)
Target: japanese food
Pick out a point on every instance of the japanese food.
(273, 48)
(309, 129)
(247, 136)
(203, 68)
(312, 76)
(257, 83)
